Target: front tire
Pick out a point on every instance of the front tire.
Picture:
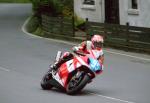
(45, 81)
(73, 89)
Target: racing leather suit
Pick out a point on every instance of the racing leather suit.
(83, 47)
(86, 46)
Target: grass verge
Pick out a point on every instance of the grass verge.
(32, 24)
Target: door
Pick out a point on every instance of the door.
(112, 11)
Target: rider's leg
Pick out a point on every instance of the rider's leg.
(66, 56)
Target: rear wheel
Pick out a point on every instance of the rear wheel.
(45, 81)
(77, 83)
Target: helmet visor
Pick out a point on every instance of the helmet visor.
(98, 44)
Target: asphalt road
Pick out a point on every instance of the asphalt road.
(24, 59)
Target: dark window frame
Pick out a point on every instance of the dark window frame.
(134, 4)
(89, 2)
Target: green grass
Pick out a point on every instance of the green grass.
(15, 1)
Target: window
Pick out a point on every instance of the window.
(133, 7)
(89, 2)
(134, 4)
(88, 5)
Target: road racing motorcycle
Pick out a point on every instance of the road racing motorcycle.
(73, 75)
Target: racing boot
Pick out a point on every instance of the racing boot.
(56, 65)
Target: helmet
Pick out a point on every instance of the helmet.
(97, 41)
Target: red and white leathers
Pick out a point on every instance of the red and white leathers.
(94, 47)
(86, 47)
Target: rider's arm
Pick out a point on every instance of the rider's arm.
(80, 48)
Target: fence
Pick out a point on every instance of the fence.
(57, 26)
(121, 36)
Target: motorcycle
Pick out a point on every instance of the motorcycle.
(73, 75)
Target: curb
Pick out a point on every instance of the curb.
(56, 38)
(68, 42)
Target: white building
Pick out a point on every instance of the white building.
(135, 12)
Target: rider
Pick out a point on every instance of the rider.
(96, 43)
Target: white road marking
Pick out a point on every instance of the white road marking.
(117, 53)
(69, 43)
(4, 69)
(36, 36)
(24, 30)
(111, 98)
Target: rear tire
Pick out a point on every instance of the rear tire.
(45, 81)
(82, 83)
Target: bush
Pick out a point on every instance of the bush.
(53, 7)
(79, 23)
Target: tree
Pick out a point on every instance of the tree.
(52, 7)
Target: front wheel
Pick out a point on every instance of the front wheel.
(45, 81)
(76, 84)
